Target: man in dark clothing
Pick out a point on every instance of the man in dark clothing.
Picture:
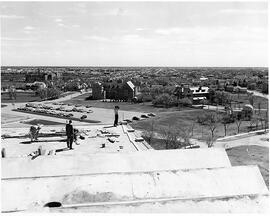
(116, 108)
(70, 134)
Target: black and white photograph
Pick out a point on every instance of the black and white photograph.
(134, 107)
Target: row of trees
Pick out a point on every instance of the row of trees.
(179, 137)
(173, 138)
(48, 93)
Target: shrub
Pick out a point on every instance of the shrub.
(165, 100)
(49, 93)
(185, 102)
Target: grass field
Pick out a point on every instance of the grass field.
(243, 99)
(182, 119)
(251, 155)
(42, 121)
(21, 97)
(136, 107)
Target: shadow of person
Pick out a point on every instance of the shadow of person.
(108, 126)
(62, 149)
(37, 141)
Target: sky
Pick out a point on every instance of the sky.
(225, 34)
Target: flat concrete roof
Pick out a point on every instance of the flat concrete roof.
(140, 161)
(114, 187)
(19, 144)
(244, 204)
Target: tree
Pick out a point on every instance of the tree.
(254, 121)
(149, 134)
(49, 93)
(251, 100)
(170, 136)
(266, 120)
(212, 120)
(259, 107)
(226, 120)
(211, 95)
(156, 90)
(165, 100)
(185, 102)
(238, 118)
(265, 88)
(210, 141)
(185, 135)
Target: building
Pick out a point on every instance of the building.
(35, 85)
(115, 90)
(41, 76)
(97, 91)
(183, 91)
(199, 93)
(241, 90)
(196, 93)
(118, 90)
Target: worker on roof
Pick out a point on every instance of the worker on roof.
(70, 134)
(34, 132)
(116, 108)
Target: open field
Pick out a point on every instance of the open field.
(251, 155)
(244, 99)
(183, 119)
(136, 107)
(42, 121)
(21, 97)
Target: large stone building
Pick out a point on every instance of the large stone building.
(114, 90)
(41, 76)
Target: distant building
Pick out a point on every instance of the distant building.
(182, 91)
(41, 76)
(97, 91)
(229, 88)
(115, 90)
(195, 93)
(199, 93)
(241, 90)
(36, 85)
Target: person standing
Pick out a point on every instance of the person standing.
(34, 132)
(70, 134)
(116, 108)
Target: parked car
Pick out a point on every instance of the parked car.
(83, 117)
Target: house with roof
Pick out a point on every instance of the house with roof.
(114, 90)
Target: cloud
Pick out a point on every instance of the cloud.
(139, 29)
(112, 12)
(11, 16)
(29, 28)
(96, 38)
(243, 11)
(58, 20)
(75, 26)
(61, 24)
(16, 39)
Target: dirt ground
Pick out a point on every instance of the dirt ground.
(251, 155)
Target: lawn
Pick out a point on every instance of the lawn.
(243, 99)
(251, 155)
(136, 107)
(183, 119)
(21, 97)
(43, 122)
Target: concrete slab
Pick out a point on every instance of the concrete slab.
(181, 184)
(244, 204)
(143, 161)
(19, 146)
